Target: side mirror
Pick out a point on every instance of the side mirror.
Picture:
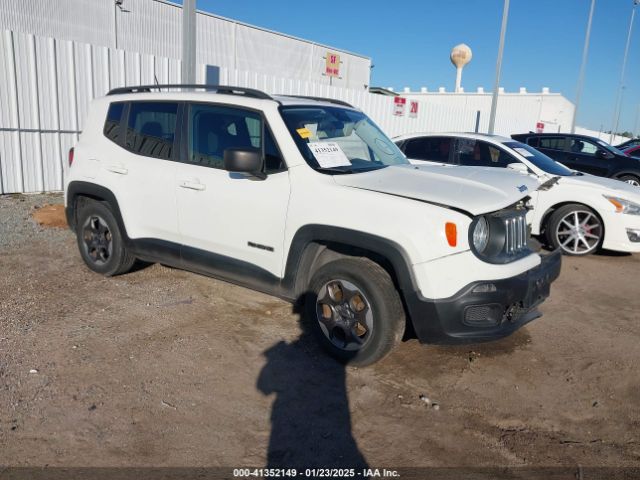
(518, 167)
(603, 154)
(244, 160)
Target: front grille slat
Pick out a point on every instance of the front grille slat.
(515, 228)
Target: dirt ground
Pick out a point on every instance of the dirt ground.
(161, 367)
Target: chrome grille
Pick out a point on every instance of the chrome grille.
(515, 234)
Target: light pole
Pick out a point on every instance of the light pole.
(583, 67)
(189, 41)
(494, 98)
(616, 111)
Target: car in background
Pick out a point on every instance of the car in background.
(633, 151)
(575, 212)
(634, 142)
(585, 154)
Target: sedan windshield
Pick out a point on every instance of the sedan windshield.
(539, 159)
(340, 140)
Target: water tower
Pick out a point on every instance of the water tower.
(460, 56)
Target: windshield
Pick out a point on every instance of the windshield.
(339, 140)
(539, 159)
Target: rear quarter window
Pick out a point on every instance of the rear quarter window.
(113, 123)
(552, 143)
(151, 129)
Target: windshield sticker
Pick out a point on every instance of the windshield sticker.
(328, 154)
(304, 132)
(523, 152)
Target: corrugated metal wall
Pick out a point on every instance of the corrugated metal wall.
(554, 110)
(154, 27)
(46, 86)
(45, 89)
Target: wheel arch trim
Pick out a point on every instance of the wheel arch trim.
(310, 240)
(78, 188)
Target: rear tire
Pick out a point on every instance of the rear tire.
(575, 229)
(100, 241)
(630, 179)
(355, 311)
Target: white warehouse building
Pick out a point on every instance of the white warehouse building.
(57, 55)
(154, 27)
(546, 110)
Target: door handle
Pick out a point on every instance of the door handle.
(119, 169)
(193, 185)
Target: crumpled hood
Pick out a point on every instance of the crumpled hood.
(604, 185)
(472, 189)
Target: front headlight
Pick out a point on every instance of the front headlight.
(481, 235)
(624, 206)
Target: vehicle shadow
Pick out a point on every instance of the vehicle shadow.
(538, 245)
(612, 253)
(310, 418)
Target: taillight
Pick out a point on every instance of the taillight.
(71, 150)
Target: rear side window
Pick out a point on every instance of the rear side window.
(151, 129)
(434, 149)
(553, 143)
(112, 125)
(475, 153)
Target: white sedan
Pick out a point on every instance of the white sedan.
(576, 212)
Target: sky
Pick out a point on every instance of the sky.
(409, 43)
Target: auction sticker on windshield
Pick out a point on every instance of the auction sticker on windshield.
(523, 152)
(328, 154)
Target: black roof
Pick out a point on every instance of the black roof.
(560, 134)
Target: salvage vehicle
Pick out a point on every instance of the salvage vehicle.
(308, 200)
(573, 211)
(585, 154)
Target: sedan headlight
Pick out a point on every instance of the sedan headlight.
(481, 235)
(624, 206)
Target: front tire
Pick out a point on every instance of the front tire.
(630, 179)
(355, 310)
(575, 229)
(100, 240)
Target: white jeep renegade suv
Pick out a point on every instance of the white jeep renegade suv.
(306, 199)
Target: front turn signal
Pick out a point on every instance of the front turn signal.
(451, 231)
(616, 203)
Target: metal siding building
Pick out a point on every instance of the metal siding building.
(153, 27)
(57, 55)
(552, 109)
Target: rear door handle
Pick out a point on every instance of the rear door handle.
(193, 185)
(119, 169)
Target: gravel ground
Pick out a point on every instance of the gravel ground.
(16, 225)
(167, 368)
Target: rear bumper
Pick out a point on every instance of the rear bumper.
(485, 310)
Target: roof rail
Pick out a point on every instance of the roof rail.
(323, 99)
(229, 90)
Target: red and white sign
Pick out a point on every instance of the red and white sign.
(413, 109)
(539, 127)
(398, 105)
(332, 68)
